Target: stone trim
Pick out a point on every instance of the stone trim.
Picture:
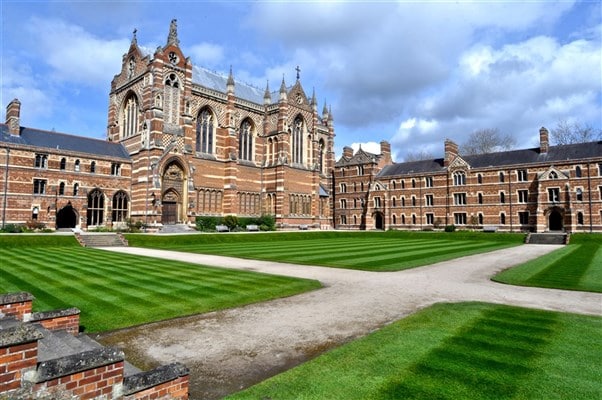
(19, 334)
(83, 361)
(145, 380)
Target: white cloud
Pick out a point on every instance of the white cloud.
(74, 54)
(206, 54)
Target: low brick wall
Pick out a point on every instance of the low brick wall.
(87, 375)
(18, 355)
(167, 381)
(67, 319)
(16, 305)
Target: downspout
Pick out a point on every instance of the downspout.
(510, 196)
(334, 216)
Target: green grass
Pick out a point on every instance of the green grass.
(371, 251)
(114, 290)
(456, 351)
(577, 266)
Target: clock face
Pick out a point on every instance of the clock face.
(173, 58)
(299, 98)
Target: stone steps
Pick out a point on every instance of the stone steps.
(101, 239)
(547, 238)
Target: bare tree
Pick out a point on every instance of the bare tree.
(487, 141)
(567, 133)
(418, 156)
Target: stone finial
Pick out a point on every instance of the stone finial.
(283, 90)
(267, 96)
(230, 83)
(172, 38)
(134, 38)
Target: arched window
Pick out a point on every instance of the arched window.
(63, 163)
(501, 177)
(413, 183)
(76, 166)
(394, 219)
(414, 201)
(93, 167)
(75, 189)
(480, 198)
(96, 208)
(403, 219)
(403, 184)
(480, 219)
(297, 141)
(578, 171)
(393, 202)
(502, 197)
(360, 170)
(171, 107)
(204, 132)
(580, 218)
(403, 201)
(479, 178)
(553, 175)
(129, 117)
(459, 178)
(579, 193)
(61, 188)
(393, 185)
(120, 207)
(245, 141)
(503, 219)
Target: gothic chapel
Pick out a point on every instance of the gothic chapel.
(204, 144)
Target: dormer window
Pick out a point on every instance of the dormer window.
(459, 178)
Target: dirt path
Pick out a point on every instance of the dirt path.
(229, 350)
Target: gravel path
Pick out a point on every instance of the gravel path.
(229, 350)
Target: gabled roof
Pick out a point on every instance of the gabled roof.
(61, 141)
(562, 153)
(360, 157)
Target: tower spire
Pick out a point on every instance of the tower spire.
(134, 38)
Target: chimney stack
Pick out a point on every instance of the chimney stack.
(451, 152)
(13, 117)
(544, 143)
(347, 152)
(385, 151)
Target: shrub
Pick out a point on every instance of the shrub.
(207, 224)
(450, 228)
(35, 225)
(231, 221)
(12, 228)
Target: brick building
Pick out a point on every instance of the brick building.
(548, 188)
(181, 141)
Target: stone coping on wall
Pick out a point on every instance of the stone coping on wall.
(19, 334)
(147, 379)
(18, 297)
(83, 361)
(44, 315)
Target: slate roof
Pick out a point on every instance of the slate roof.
(360, 157)
(215, 81)
(561, 153)
(61, 141)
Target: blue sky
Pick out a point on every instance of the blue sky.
(412, 73)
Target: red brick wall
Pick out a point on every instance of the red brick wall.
(70, 323)
(176, 389)
(88, 384)
(17, 310)
(14, 362)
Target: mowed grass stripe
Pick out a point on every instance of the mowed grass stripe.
(114, 291)
(577, 266)
(473, 351)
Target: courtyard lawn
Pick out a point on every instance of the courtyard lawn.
(577, 266)
(115, 290)
(370, 251)
(456, 351)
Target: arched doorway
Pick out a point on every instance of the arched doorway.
(379, 221)
(169, 207)
(66, 217)
(555, 221)
(174, 189)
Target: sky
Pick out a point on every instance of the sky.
(409, 72)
